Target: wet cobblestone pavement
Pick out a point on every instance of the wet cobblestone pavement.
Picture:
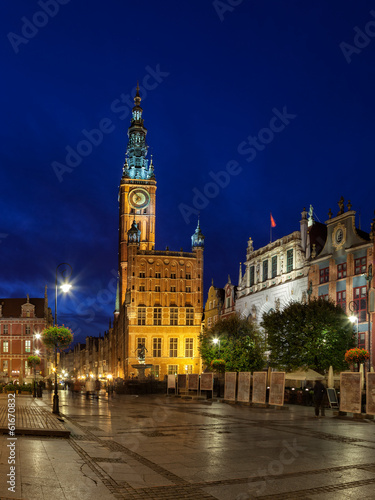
(167, 448)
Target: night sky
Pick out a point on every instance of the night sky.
(215, 77)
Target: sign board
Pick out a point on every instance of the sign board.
(171, 381)
(230, 386)
(243, 391)
(259, 387)
(350, 392)
(181, 381)
(207, 382)
(193, 381)
(277, 388)
(370, 393)
(332, 398)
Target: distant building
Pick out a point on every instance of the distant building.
(21, 323)
(340, 271)
(212, 310)
(160, 295)
(228, 307)
(277, 273)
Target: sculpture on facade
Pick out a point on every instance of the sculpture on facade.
(141, 350)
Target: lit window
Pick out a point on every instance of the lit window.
(172, 369)
(5, 346)
(190, 316)
(141, 315)
(189, 343)
(156, 348)
(157, 315)
(155, 371)
(174, 316)
(27, 345)
(173, 347)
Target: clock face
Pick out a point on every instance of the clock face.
(139, 198)
(339, 235)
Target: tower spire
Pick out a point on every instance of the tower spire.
(136, 162)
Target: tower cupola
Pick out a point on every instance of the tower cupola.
(197, 240)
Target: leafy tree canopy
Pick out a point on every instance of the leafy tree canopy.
(314, 335)
(33, 360)
(240, 345)
(57, 337)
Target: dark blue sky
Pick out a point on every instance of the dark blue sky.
(218, 77)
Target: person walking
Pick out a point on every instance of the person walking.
(319, 392)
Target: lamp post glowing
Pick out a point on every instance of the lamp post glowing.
(66, 273)
(217, 341)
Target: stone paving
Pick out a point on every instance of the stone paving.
(31, 418)
(157, 448)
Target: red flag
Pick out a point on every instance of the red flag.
(273, 223)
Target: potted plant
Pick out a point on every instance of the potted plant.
(356, 355)
(10, 388)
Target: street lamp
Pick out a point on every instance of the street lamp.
(353, 307)
(217, 341)
(65, 271)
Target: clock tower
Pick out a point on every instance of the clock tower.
(159, 301)
(137, 193)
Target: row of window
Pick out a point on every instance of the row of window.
(266, 273)
(173, 347)
(360, 267)
(172, 370)
(172, 276)
(173, 316)
(27, 346)
(6, 366)
(5, 331)
(142, 288)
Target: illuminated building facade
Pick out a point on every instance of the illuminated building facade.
(160, 294)
(278, 272)
(21, 323)
(341, 270)
(212, 310)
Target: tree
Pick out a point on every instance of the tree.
(57, 338)
(239, 345)
(314, 335)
